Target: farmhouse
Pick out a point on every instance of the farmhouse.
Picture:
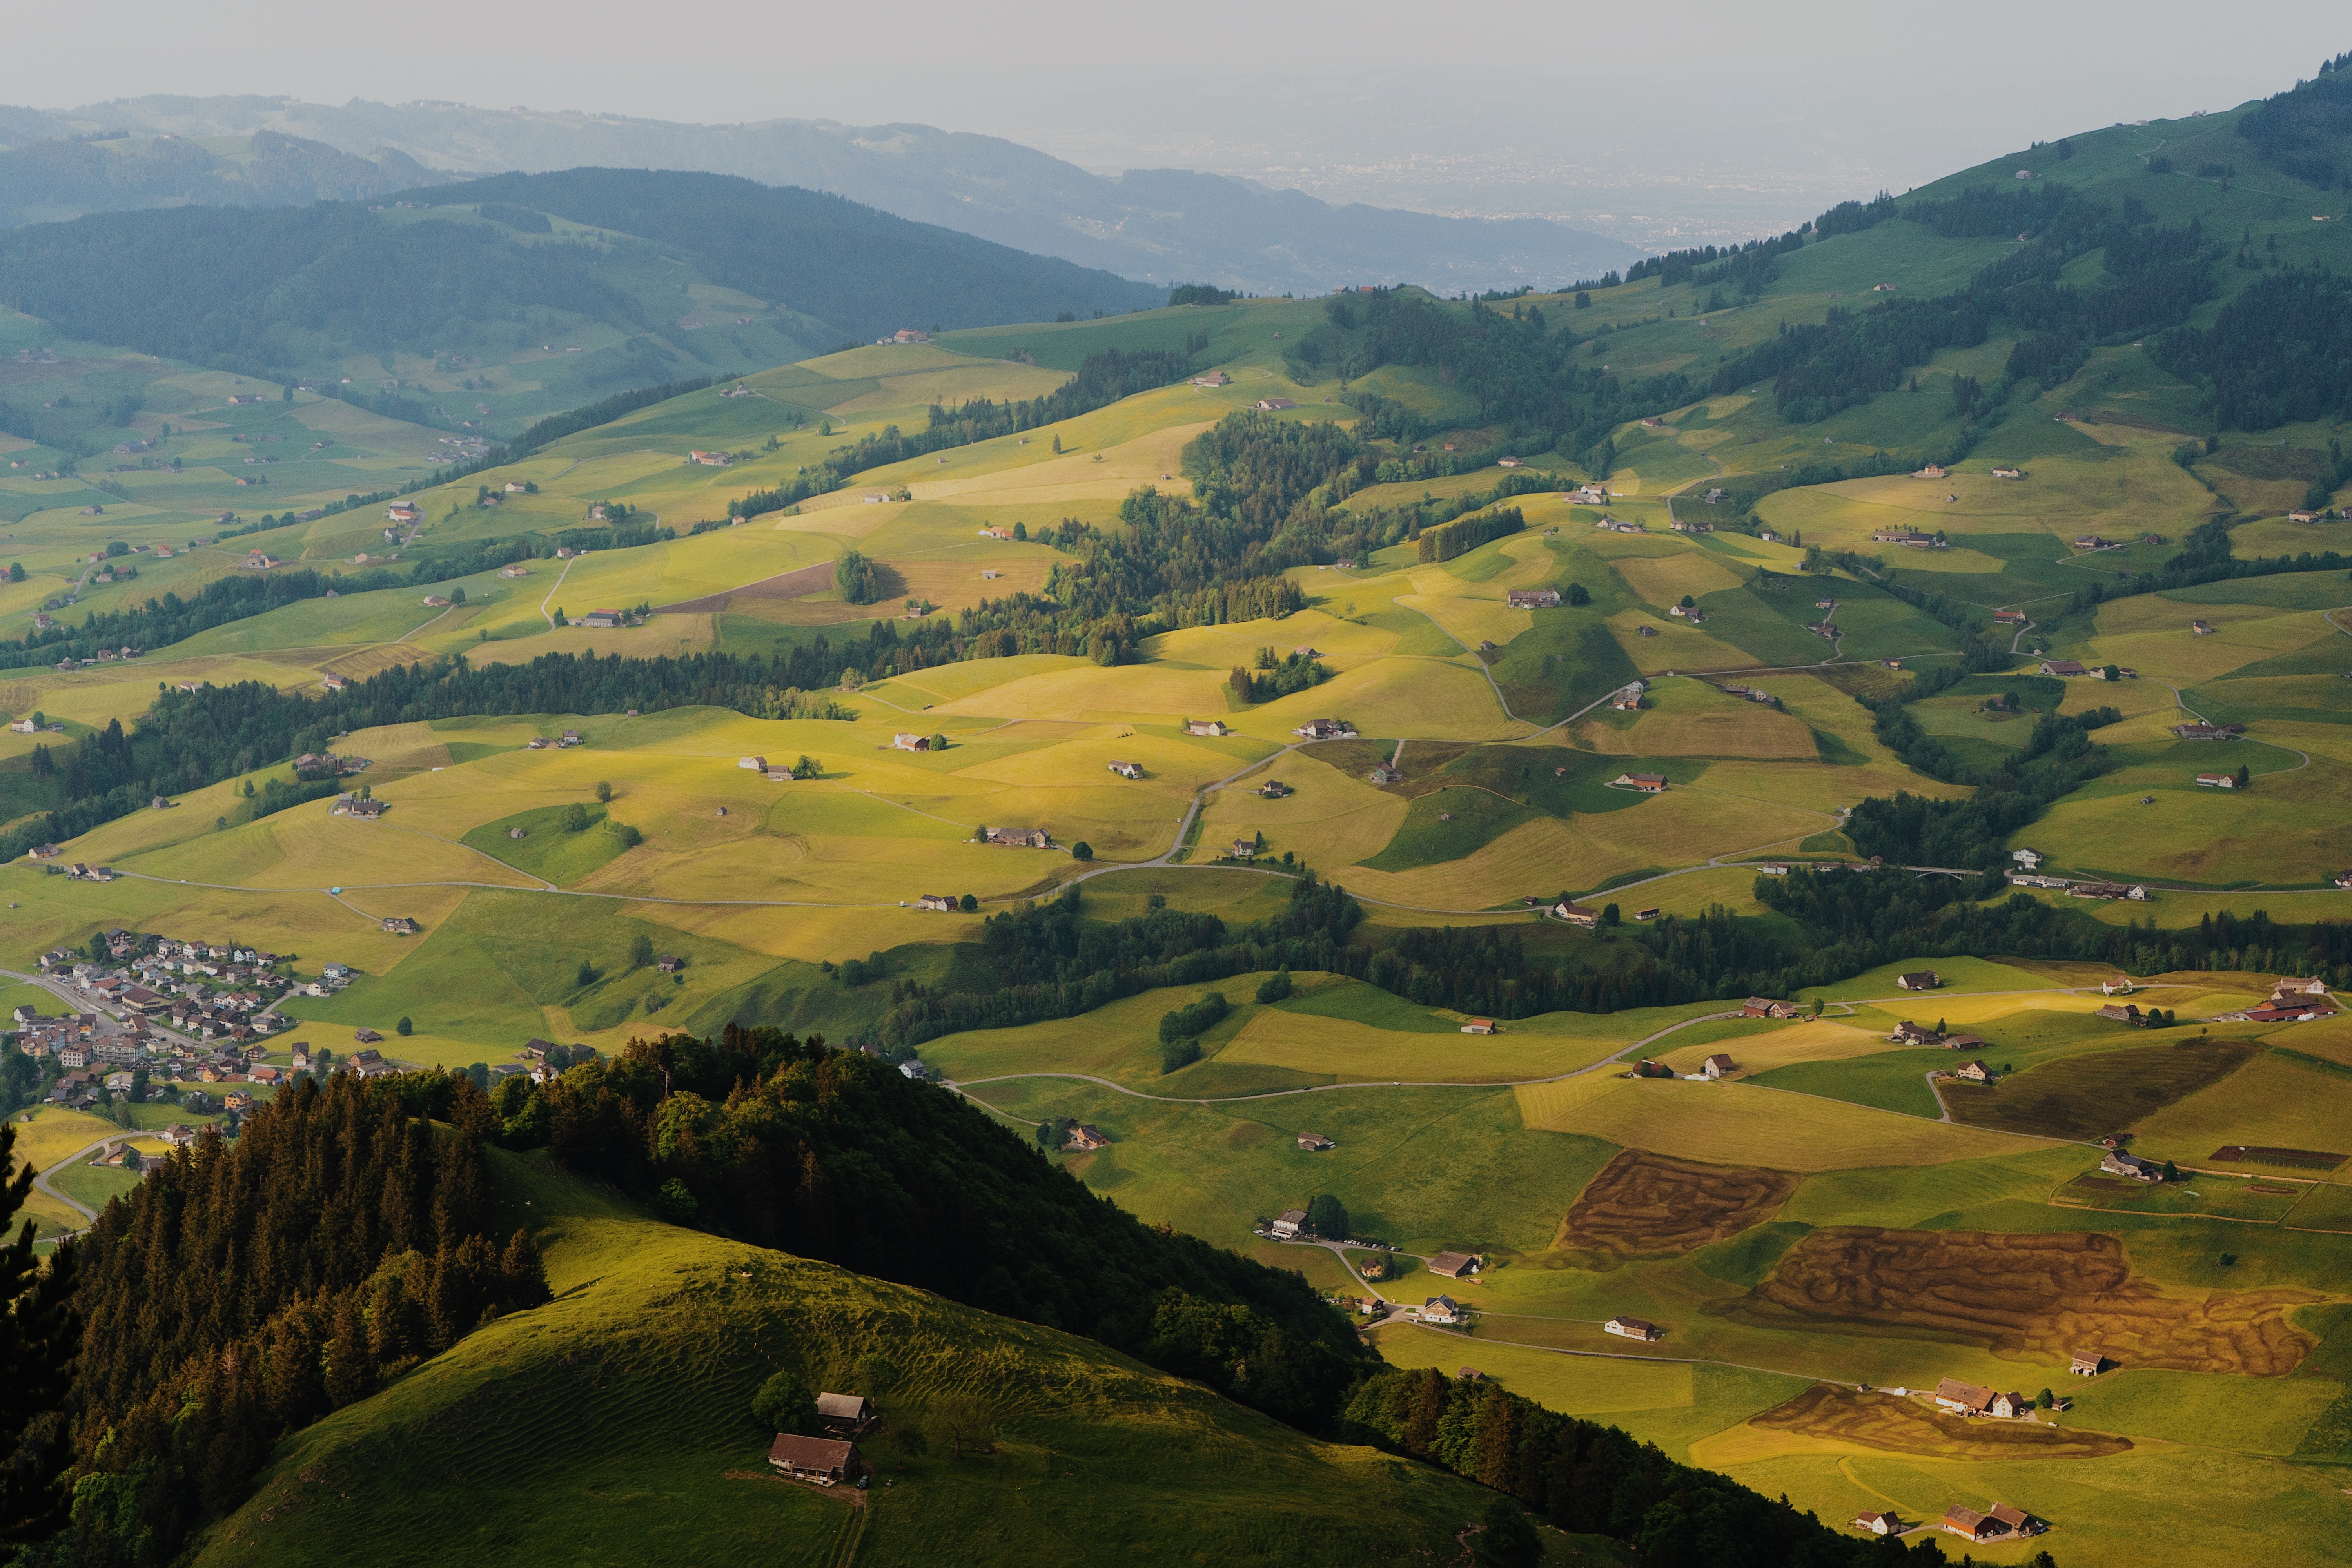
(2278, 1012)
(1876, 1523)
(2116, 1162)
(936, 902)
(2120, 985)
(399, 925)
(1532, 598)
(1127, 770)
(1908, 1033)
(1273, 789)
(1576, 914)
(826, 1462)
(1325, 729)
(1970, 1525)
(2217, 781)
(2200, 730)
(1479, 1026)
(1975, 1399)
(1215, 378)
(601, 620)
(1085, 1139)
(906, 742)
(1765, 1007)
(1975, 1072)
(1455, 1265)
(712, 459)
(2135, 891)
(1287, 1224)
(1691, 525)
(1314, 1142)
(2086, 1364)
(1718, 1066)
(1633, 1328)
(1925, 980)
(2062, 667)
(1276, 404)
(1017, 837)
(1444, 1309)
(2009, 473)
(1205, 727)
(2007, 617)
(1648, 783)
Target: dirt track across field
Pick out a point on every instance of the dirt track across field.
(2044, 1294)
(1644, 1204)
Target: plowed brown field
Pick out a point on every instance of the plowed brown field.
(1642, 1203)
(1908, 1426)
(2045, 1293)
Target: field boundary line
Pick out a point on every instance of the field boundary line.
(554, 588)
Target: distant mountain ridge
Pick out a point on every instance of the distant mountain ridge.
(1163, 226)
(47, 180)
(476, 271)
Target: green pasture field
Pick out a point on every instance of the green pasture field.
(1421, 1168)
(548, 850)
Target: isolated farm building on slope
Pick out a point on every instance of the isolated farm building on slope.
(846, 1415)
(1633, 1328)
(2085, 1363)
(1287, 1224)
(1455, 1265)
(1925, 980)
(1532, 598)
(1765, 1007)
(1716, 1065)
(824, 1460)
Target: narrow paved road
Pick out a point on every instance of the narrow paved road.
(41, 1182)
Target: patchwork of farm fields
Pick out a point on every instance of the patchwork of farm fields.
(1076, 877)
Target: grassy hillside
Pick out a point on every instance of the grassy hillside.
(646, 1362)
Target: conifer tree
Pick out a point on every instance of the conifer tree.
(39, 1332)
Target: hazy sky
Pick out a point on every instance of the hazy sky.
(1506, 105)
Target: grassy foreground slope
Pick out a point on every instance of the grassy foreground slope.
(613, 1425)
